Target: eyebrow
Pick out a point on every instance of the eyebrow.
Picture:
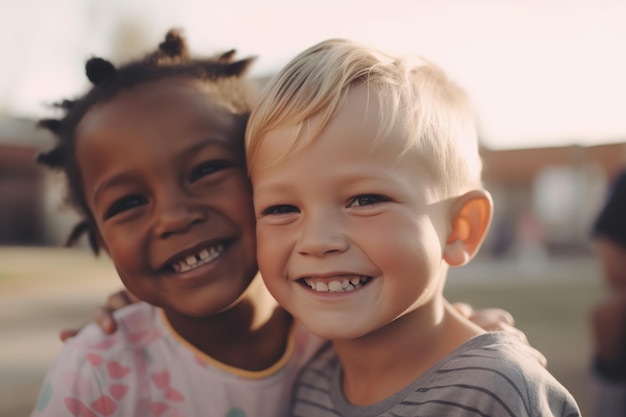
(349, 179)
(123, 177)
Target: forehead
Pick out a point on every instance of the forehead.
(361, 126)
(349, 148)
(151, 127)
(170, 104)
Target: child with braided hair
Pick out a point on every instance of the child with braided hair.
(153, 156)
(154, 159)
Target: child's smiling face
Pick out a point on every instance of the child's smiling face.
(349, 239)
(164, 176)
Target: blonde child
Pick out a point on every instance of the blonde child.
(366, 178)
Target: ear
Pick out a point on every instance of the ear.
(471, 216)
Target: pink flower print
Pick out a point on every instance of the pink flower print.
(77, 408)
(117, 370)
(118, 391)
(159, 408)
(172, 394)
(145, 336)
(139, 321)
(104, 405)
(161, 379)
(94, 359)
(104, 344)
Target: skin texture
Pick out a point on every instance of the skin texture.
(164, 177)
(336, 211)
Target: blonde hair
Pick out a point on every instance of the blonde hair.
(412, 93)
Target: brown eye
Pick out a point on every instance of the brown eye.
(366, 200)
(280, 209)
(124, 204)
(208, 168)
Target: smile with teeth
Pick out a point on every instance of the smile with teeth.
(203, 257)
(338, 285)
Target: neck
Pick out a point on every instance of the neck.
(251, 334)
(399, 353)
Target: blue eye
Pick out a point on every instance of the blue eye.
(280, 209)
(208, 168)
(366, 200)
(125, 203)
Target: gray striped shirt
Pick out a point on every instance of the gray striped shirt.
(490, 376)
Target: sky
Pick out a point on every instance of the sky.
(539, 72)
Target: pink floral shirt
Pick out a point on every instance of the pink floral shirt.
(147, 369)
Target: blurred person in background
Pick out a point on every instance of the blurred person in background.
(608, 316)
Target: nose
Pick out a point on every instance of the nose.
(321, 235)
(176, 214)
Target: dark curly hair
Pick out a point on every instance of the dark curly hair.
(222, 73)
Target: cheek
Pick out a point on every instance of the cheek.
(272, 253)
(405, 244)
(265, 240)
(121, 249)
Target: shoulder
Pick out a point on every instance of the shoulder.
(93, 352)
(318, 373)
(312, 390)
(136, 327)
(94, 370)
(497, 367)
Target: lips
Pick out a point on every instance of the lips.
(195, 257)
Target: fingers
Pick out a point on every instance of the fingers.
(520, 335)
(536, 354)
(120, 299)
(464, 309)
(103, 317)
(492, 319)
(497, 319)
(67, 333)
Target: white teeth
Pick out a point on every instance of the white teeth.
(336, 286)
(194, 261)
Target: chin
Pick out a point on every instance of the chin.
(336, 331)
